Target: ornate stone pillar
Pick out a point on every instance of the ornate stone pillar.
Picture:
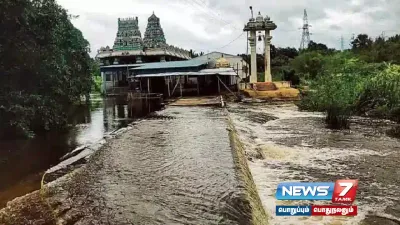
(252, 41)
(104, 84)
(268, 37)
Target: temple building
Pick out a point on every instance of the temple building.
(157, 65)
(130, 48)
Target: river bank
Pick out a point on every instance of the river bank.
(28, 159)
(284, 144)
(176, 167)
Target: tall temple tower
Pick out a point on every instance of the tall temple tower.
(154, 34)
(128, 35)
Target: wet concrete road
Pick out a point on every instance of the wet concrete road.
(172, 168)
(296, 146)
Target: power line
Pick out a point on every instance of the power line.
(210, 12)
(224, 46)
(198, 6)
(231, 41)
(216, 14)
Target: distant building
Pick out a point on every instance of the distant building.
(236, 62)
(205, 75)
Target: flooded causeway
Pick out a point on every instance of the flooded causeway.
(175, 167)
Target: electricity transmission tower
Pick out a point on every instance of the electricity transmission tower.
(305, 38)
(342, 43)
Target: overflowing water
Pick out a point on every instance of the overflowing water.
(175, 167)
(285, 144)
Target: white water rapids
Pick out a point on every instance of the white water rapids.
(296, 146)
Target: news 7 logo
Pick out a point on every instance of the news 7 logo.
(345, 191)
(342, 191)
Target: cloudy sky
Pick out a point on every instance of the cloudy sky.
(212, 25)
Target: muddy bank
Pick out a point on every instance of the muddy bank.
(174, 168)
(296, 146)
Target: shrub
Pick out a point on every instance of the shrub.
(336, 89)
(308, 65)
(381, 94)
(97, 83)
(347, 86)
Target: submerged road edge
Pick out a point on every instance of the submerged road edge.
(259, 215)
(42, 207)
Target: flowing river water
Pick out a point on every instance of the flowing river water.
(176, 166)
(23, 162)
(285, 144)
(173, 167)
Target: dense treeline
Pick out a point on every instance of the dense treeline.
(44, 66)
(364, 80)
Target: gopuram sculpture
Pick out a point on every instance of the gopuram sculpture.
(154, 34)
(130, 48)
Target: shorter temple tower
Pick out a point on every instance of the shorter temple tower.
(154, 34)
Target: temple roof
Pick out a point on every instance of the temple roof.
(171, 64)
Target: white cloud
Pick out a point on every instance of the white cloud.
(207, 25)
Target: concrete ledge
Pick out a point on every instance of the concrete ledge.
(198, 101)
(282, 84)
(280, 94)
(253, 201)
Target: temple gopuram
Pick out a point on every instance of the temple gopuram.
(130, 48)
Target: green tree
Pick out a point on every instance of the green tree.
(313, 46)
(308, 65)
(361, 42)
(45, 66)
(96, 76)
